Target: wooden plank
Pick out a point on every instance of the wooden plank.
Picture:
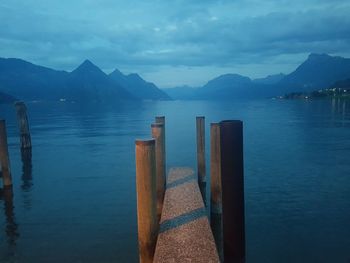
(184, 233)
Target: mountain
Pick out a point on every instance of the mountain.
(319, 71)
(25, 80)
(341, 84)
(270, 79)
(137, 86)
(89, 83)
(182, 92)
(226, 86)
(5, 98)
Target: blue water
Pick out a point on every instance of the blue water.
(77, 203)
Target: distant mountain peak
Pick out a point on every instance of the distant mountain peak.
(319, 71)
(117, 71)
(87, 63)
(230, 78)
(87, 66)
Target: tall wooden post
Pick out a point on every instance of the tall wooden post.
(216, 187)
(159, 136)
(161, 119)
(4, 156)
(146, 199)
(231, 147)
(200, 127)
(23, 124)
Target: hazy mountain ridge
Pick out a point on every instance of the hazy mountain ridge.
(270, 79)
(21, 79)
(91, 83)
(87, 82)
(319, 71)
(182, 92)
(138, 87)
(27, 81)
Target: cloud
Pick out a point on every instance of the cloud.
(146, 35)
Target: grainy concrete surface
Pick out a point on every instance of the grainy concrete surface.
(185, 230)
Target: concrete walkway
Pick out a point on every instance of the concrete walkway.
(184, 233)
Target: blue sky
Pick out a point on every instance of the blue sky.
(176, 42)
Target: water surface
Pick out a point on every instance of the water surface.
(76, 201)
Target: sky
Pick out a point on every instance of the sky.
(175, 43)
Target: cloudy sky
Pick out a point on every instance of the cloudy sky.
(175, 42)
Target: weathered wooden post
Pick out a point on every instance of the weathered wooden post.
(231, 147)
(146, 198)
(159, 137)
(161, 119)
(200, 127)
(23, 124)
(216, 188)
(4, 156)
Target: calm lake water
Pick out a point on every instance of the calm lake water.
(77, 203)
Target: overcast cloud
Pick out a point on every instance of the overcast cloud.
(175, 42)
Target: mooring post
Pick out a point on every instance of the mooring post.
(200, 127)
(4, 156)
(231, 147)
(161, 119)
(216, 188)
(23, 124)
(146, 198)
(159, 137)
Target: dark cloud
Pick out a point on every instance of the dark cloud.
(155, 36)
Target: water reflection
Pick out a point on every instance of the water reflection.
(27, 168)
(341, 108)
(11, 227)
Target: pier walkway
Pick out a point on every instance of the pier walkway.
(184, 231)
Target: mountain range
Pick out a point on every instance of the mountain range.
(25, 81)
(319, 71)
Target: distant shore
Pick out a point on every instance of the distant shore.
(338, 93)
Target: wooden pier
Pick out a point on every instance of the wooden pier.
(176, 226)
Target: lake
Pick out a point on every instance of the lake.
(77, 203)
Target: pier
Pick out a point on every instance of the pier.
(177, 221)
(173, 217)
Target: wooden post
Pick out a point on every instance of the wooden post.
(201, 156)
(231, 147)
(4, 156)
(158, 135)
(161, 119)
(216, 188)
(23, 124)
(146, 199)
